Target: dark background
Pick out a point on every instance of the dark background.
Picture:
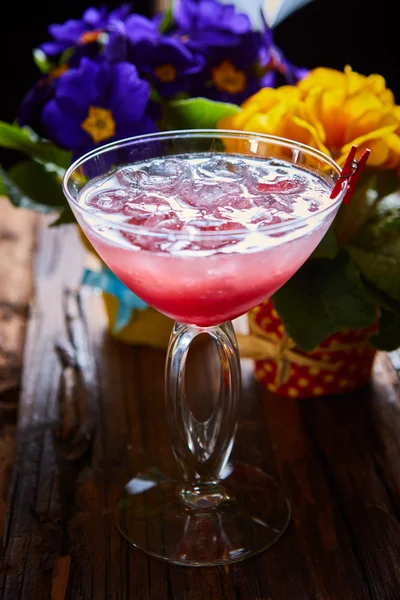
(326, 32)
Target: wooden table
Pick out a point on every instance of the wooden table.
(91, 413)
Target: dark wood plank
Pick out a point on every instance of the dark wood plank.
(323, 537)
(92, 414)
(348, 445)
(35, 529)
(17, 241)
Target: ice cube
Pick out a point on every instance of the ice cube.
(165, 175)
(147, 204)
(264, 219)
(157, 232)
(136, 215)
(109, 201)
(294, 185)
(223, 169)
(170, 168)
(208, 194)
(164, 222)
(282, 203)
(313, 205)
(131, 178)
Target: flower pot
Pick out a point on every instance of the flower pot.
(341, 363)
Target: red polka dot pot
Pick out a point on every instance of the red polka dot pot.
(341, 363)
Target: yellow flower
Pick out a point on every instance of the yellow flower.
(329, 79)
(329, 110)
(279, 112)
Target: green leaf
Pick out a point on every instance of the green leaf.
(198, 113)
(381, 265)
(383, 222)
(42, 183)
(328, 247)
(388, 336)
(167, 22)
(15, 137)
(65, 218)
(42, 61)
(323, 297)
(9, 188)
(3, 189)
(36, 186)
(376, 248)
(154, 95)
(66, 55)
(26, 141)
(394, 223)
(371, 189)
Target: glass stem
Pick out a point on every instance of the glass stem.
(202, 448)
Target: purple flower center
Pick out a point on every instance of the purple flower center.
(166, 73)
(99, 124)
(89, 37)
(227, 78)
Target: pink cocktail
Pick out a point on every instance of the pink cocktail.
(204, 225)
(225, 230)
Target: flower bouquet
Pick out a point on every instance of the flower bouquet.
(112, 75)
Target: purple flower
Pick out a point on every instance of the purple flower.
(97, 103)
(233, 73)
(164, 60)
(205, 23)
(168, 64)
(124, 35)
(78, 32)
(38, 95)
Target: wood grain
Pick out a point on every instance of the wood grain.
(17, 241)
(92, 414)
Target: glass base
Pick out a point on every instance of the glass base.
(253, 516)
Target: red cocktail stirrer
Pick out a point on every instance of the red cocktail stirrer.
(352, 170)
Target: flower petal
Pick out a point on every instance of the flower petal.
(68, 32)
(94, 17)
(79, 85)
(322, 78)
(376, 141)
(326, 107)
(371, 120)
(145, 125)
(129, 95)
(139, 28)
(63, 129)
(52, 48)
(314, 137)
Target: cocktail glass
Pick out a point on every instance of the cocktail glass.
(219, 511)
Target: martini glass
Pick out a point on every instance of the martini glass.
(217, 511)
